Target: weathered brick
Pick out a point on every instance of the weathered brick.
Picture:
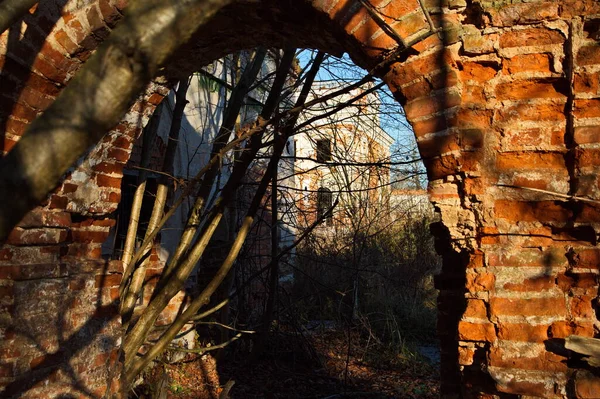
(589, 213)
(588, 157)
(572, 8)
(548, 306)
(530, 37)
(547, 361)
(524, 13)
(20, 236)
(110, 14)
(430, 105)
(586, 82)
(587, 108)
(111, 197)
(442, 79)
(529, 160)
(489, 235)
(108, 181)
(77, 30)
(118, 155)
(581, 306)
(109, 168)
(562, 329)
(546, 211)
(529, 257)
(30, 272)
(587, 134)
(65, 41)
(69, 188)
(476, 308)
(480, 282)
(431, 125)
(395, 9)
(577, 280)
(58, 202)
(526, 89)
(49, 70)
(589, 55)
(431, 42)
(533, 284)
(438, 146)
(411, 24)
(586, 258)
(406, 72)
(474, 186)
(474, 93)
(508, 132)
(476, 331)
(468, 118)
(465, 355)
(531, 112)
(520, 181)
(155, 98)
(83, 235)
(111, 280)
(478, 72)
(522, 332)
(420, 88)
(440, 167)
(361, 25)
(587, 385)
(94, 19)
(6, 254)
(24, 111)
(15, 127)
(41, 218)
(84, 251)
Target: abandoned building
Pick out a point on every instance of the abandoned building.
(336, 155)
(503, 97)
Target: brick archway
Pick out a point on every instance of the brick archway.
(503, 99)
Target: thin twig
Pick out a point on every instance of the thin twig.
(204, 350)
(214, 323)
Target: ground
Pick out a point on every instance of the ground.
(321, 366)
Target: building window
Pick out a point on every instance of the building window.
(290, 147)
(323, 150)
(324, 202)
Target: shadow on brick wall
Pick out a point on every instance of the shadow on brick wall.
(22, 49)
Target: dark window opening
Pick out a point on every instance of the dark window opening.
(323, 150)
(290, 147)
(324, 202)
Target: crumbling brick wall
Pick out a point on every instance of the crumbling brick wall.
(503, 97)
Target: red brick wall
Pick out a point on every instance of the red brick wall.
(508, 97)
(60, 330)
